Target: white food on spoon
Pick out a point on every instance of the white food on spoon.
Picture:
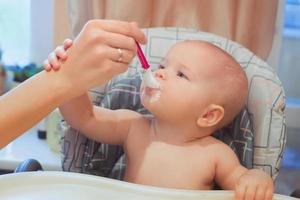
(149, 79)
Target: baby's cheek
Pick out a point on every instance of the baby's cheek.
(142, 86)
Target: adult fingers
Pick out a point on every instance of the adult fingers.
(117, 68)
(143, 38)
(120, 55)
(119, 41)
(125, 28)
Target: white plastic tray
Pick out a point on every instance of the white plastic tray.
(74, 186)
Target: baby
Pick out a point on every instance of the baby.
(202, 89)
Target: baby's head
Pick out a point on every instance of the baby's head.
(200, 84)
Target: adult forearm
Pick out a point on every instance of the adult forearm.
(24, 106)
(88, 65)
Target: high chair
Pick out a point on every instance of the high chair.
(257, 135)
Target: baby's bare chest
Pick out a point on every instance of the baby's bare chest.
(161, 164)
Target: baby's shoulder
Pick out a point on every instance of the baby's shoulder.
(211, 142)
(215, 145)
(140, 126)
(142, 121)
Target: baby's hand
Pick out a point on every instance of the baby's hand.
(254, 185)
(60, 53)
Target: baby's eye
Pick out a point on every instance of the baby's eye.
(161, 67)
(182, 75)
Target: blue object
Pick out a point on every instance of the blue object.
(291, 158)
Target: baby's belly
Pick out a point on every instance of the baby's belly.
(168, 177)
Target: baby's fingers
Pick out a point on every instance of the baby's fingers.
(52, 59)
(250, 192)
(60, 52)
(47, 66)
(260, 193)
(240, 191)
(269, 193)
(67, 44)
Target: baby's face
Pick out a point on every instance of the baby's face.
(185, 76)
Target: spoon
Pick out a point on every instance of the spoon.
(148, 77)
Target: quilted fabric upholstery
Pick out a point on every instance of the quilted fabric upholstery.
(257, 135)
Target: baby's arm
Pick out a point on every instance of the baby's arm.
(97, 123)
(100, 124)
(248, 184)
(228, 168)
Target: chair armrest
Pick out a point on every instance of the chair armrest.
(296, 193)
(28, 165)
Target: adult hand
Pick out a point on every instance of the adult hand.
(103, 49)
(93, 59)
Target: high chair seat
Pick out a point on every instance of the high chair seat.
(257, 135)
(74, 186)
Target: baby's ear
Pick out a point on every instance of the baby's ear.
(211, 116)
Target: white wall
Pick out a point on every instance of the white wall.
(15, 31)
(41, 30)
(273, 59)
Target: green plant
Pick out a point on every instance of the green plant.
(24, 72)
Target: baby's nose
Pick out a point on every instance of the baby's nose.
(160, 74)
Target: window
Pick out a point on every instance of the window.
(15, 31)
(292, 19)
(289, 64)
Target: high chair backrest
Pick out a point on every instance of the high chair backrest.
(257, 135)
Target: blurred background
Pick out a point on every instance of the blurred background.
(30, 29)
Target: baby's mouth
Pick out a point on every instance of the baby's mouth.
(153, 94)
(151, 91)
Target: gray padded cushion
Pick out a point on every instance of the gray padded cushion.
(260, 147)
(101, 159)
